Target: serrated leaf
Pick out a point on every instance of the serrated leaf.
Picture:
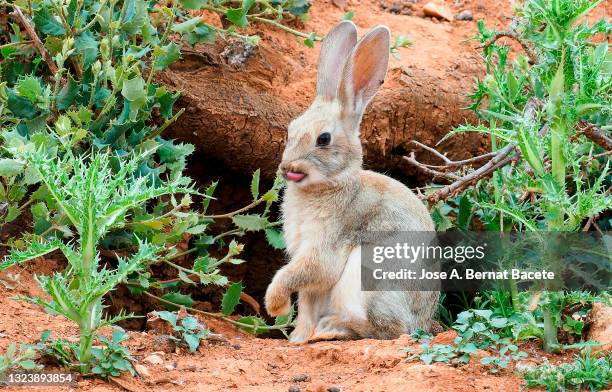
(168, 54)
(10, 167)
(238, 16)
(20, 106)
(255, 184)
(197, 229)
(187, 26)
(29, 87)
(254, 324)
(231, 298)
(178, 298)
(67, 94)
(250, 222)
(275, 238)
(193, 4)
(48, 23)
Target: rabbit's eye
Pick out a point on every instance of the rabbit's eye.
(324, 139)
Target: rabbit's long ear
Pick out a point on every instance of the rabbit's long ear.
(364, 72)
(335, 49)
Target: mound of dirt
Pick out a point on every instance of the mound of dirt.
(240, 99)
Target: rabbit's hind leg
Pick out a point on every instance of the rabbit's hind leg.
(309, 310)
(344, 315)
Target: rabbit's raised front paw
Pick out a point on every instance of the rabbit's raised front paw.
(278, 300)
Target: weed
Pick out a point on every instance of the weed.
(189, 330)
(586, 372)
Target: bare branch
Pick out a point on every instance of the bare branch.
(501, 159)
(595, 134)
(25, 22)
(426, 168)
(448, 163)
(509, 34)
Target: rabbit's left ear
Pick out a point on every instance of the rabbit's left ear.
(364, 72)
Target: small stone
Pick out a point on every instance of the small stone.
(436, 10)
(153, 359)
(301, 377)
(334, 389)
(142, 370)
(294, 388)
(465, 15)
(171, 366)
(236, 346)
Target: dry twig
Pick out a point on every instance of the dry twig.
(25, 22)
(509, 34)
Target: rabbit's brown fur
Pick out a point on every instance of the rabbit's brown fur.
(332, 207)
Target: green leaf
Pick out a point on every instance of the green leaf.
(28, 364)
(254, 324)
(231, 298)
(67, 94)
(193, 342)
(255, 184)
(310, 40)
(30, 88)
(238, 16)
(167, 316)
(275, 238)
(47, 23)
(198, 229)
(135, 16)
(10, 167)
(250, 222)
(133, 89)
(167, 55)
(178, 298)
(87, 46)
(20, 106)
(187, 26)
(192, 4)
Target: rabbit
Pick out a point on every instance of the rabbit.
(331, 206)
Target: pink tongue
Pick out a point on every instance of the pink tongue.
(293, 176)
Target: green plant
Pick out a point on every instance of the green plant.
(477, 329)
(13, 358)
(547, 114)
(113, 358)
(78, 77)
(586, 372)
(189, 330)
(94, 199)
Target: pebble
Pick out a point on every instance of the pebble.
(334, 389)
(153, 359)
(142, 370)
(465, 15)
(301, 377)
(294, 388)
(437, 10)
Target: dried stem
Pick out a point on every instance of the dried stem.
(595, 134)
(25, 22)
(509, 34)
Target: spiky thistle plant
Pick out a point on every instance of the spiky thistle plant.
(95, 198)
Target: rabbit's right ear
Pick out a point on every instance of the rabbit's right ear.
(335, 49)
